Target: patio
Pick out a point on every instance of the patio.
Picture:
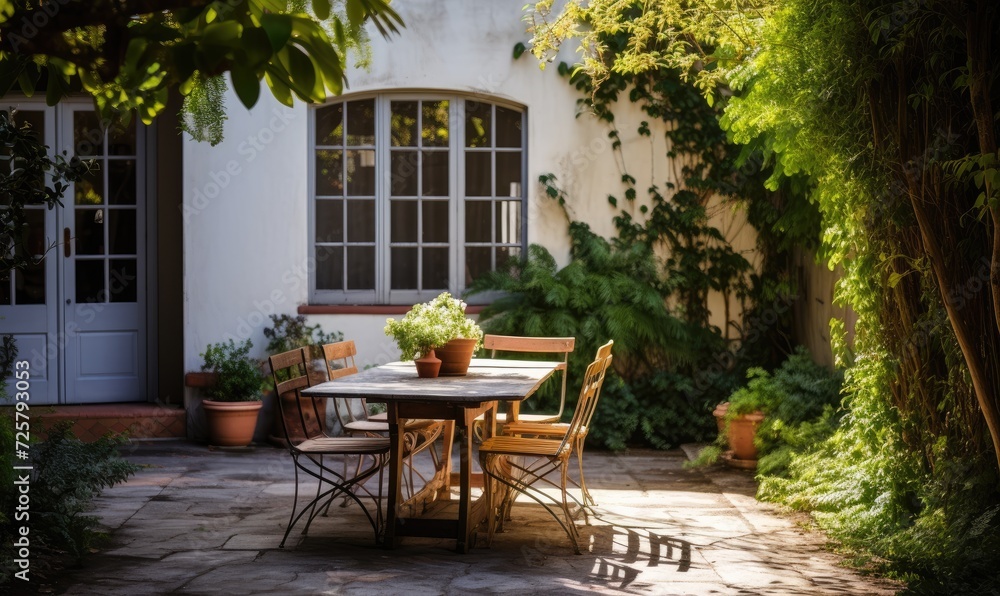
(201, 521)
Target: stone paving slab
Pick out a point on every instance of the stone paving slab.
(198, 521)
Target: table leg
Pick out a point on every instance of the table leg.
(447, 441)
(395, 475)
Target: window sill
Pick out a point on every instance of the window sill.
(368, 309)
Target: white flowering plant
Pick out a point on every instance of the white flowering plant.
(432, 324)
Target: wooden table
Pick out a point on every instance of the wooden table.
(458, 401)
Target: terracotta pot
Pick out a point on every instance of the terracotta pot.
(428, 366)
(231, 423)
(740, 435)
(455, 356)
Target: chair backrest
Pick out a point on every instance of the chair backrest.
(590, 391)
(339, 358)
(537, 345)
(290, 373)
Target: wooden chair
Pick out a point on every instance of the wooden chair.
(560, 346)
(289, 371)
(352, 414)
(559, 430)
(516, 464)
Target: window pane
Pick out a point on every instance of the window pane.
(506, 253)
(90, 281)
(435, 170)
(478, 124)
(124, 284)
(121, 182)
(329, 220)
(89, 231)
(435, 271)
(121, 139)
(329, 268)
(360, 267)
(509, 174)
(478, 178)
(88, 138)
(508, 220)
(330, 125)
(361, 173)
(5, 287)
(403, 127)
(435, 124)
(121, 231)
(361, 122)
(404, 173)
(329, 173)
(90, 190)
(404, 269)
(478, 221)
(508, 128)
(33, 118)
(477, 262)
(29, 282)
(435, 221)
(403, 221)
(361, 221)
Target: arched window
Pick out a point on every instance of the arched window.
(413, 194)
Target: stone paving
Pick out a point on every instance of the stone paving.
(201, 521)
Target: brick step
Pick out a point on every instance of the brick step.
(140, 420)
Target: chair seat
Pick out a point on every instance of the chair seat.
(522, 446)
(344, 445)
(556, 429)
(539, 418)
(380, 417)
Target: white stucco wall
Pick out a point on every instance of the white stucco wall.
(245, 230)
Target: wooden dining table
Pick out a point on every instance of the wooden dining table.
(457, 400)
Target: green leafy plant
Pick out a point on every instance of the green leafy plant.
(238, 375)
(431, 324)
(287, 333)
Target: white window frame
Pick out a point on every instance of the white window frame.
(382, 294)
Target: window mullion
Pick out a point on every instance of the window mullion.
(456, 231)
(382, 187)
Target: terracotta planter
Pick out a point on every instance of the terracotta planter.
(287, 408)
(428, 366)
(455, 356)
(231, 423)
(739, 435)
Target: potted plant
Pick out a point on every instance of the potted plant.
(234, 399)
(288, 332)
(437, 331)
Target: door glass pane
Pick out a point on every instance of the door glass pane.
(361, 173)
(404, 269)
(478, 221)
(90, 281)
(33, 118)
(329, 173)
(508, 128)
(121, 231)
(361, 221)
(329, 268)
(88, 137)
(403, 126)
(330, 125)
(404, 173)
(90, 231)
(90, 190)
(508, 220)
(361, 122)
(435, 124)
(5, 287)
(435, 271)
(360, 267)
(121, 182)
(29, 282)
(435, 221)
(403, 221)
(121, 139)
(508, 174)
(478, 178)
(329, 220)
(478, 124)
(124, 284)
(477, 262)
(435, 171)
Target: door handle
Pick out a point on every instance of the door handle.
(67, 249)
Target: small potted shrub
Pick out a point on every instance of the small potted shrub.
(234, 399)
(437, 331)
